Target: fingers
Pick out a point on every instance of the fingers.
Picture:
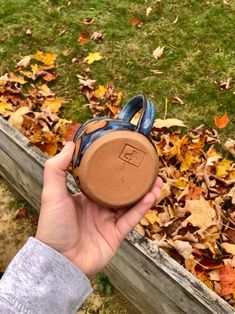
(131, 218)
(55, 170)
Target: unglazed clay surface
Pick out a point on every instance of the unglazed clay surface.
(118, 169)
(114, 163)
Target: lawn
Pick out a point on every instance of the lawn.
(197, 36)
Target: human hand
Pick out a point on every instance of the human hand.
(84, 232)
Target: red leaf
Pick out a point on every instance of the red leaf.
(221, 122)
(134, 21)
(227, 280)
(21, 213)
(83, 38)
(71, 130)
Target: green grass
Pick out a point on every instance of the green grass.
(199, 50)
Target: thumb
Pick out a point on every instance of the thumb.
(54, 179)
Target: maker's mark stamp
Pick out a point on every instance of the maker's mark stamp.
(132, 155)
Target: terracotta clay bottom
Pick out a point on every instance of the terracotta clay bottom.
(118, 169)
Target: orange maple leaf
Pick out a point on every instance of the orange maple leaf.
(134, 21)
(83, 38)
(71, 129)
(227, 280)
(221, 122)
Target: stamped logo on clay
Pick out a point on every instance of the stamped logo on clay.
(132, 155)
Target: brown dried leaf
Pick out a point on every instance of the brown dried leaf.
(16, 118)
(202, 214)
(158, 52)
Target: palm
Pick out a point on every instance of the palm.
(83, 231)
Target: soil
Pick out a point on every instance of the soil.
(18, 221)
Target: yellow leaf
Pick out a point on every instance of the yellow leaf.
(16, 78)
(181, 182)
(53, 103)
(16, 119)
(203, 277)
(187, 161)
(45, 91)
(190, 265)
(100, 91)
(152, 217)
(202, 214)
(92, 57)
(4, 106)
(232, 175)
(222, 168)
(46, 58)
(27, 73)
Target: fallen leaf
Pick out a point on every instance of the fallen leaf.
(88, 21)
(21, 214)
(53, 103)
(45, 91)
(49, 148)
(203, 278)
(134, 21)
(190, 265)
(100, 91)
(16, 78)
(46, 58)
(167, 123)
(74, 60)
(87, 83)
(92, 57)
(24, 62)
(202, 214)
(151, 216)
(16, 119)
(5, 106)
(227, 280)
(66, 52)
(29, 32)
(49, 77)
(83, 38)
(230, 146)
(177, 100)
(140, 229)
(222, 168)
(221, 122)
(214, 275)
(71, 129)
(148, 11)
(97, 35)
(230, 233)
(158, 52)
(225, 85)
(184, 248)
(228, 247)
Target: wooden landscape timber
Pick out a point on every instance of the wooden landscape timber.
(144, 273)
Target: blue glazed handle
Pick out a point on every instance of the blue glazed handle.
(137, 103)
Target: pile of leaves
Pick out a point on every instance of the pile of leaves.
(28, 103)
(194, 221)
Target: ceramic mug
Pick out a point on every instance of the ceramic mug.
(114, 162)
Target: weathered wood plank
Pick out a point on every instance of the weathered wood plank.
(145, 274)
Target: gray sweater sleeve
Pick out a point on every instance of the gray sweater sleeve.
(42, 281)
